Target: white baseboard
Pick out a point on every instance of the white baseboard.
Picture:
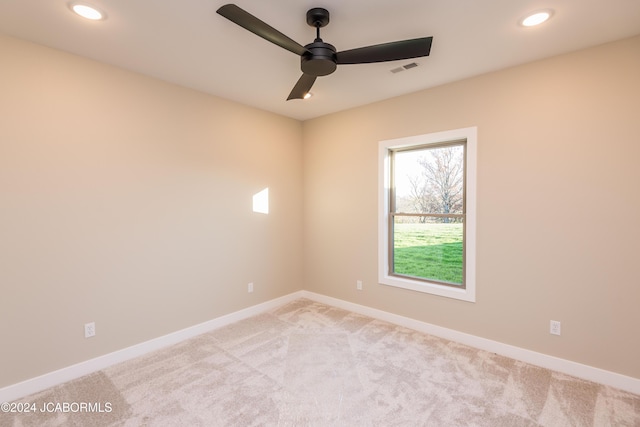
(63, 375)
(568, 367)
(51, 379)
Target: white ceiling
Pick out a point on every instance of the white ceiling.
(187, 43)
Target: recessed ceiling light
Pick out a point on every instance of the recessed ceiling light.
(536, 18)
(88, 12)
(308, 95)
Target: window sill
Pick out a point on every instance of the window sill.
(429, 288)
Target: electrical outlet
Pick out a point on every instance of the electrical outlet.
(554, 327)
(89, 329)
(250, 287)
(359, 285)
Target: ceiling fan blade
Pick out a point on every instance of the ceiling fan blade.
(249, 22)
(302, 87)
(393, 51)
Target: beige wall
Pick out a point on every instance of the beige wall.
(127, 201)
(558, 204)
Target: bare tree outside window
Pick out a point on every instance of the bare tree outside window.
(444, 176)
(435, 184)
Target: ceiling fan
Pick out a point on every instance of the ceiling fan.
(320, 58)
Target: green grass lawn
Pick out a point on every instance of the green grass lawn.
(429, 251)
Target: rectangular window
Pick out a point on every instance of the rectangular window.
(427, 213)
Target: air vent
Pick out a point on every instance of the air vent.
(404, 67)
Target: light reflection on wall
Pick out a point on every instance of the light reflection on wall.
(261, 201)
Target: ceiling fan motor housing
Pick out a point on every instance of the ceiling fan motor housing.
(321, 59)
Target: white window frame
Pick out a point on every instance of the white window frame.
(468, 293)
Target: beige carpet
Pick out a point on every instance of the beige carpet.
(308, 364)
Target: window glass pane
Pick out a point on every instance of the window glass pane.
(429, 180)
(429, 248)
